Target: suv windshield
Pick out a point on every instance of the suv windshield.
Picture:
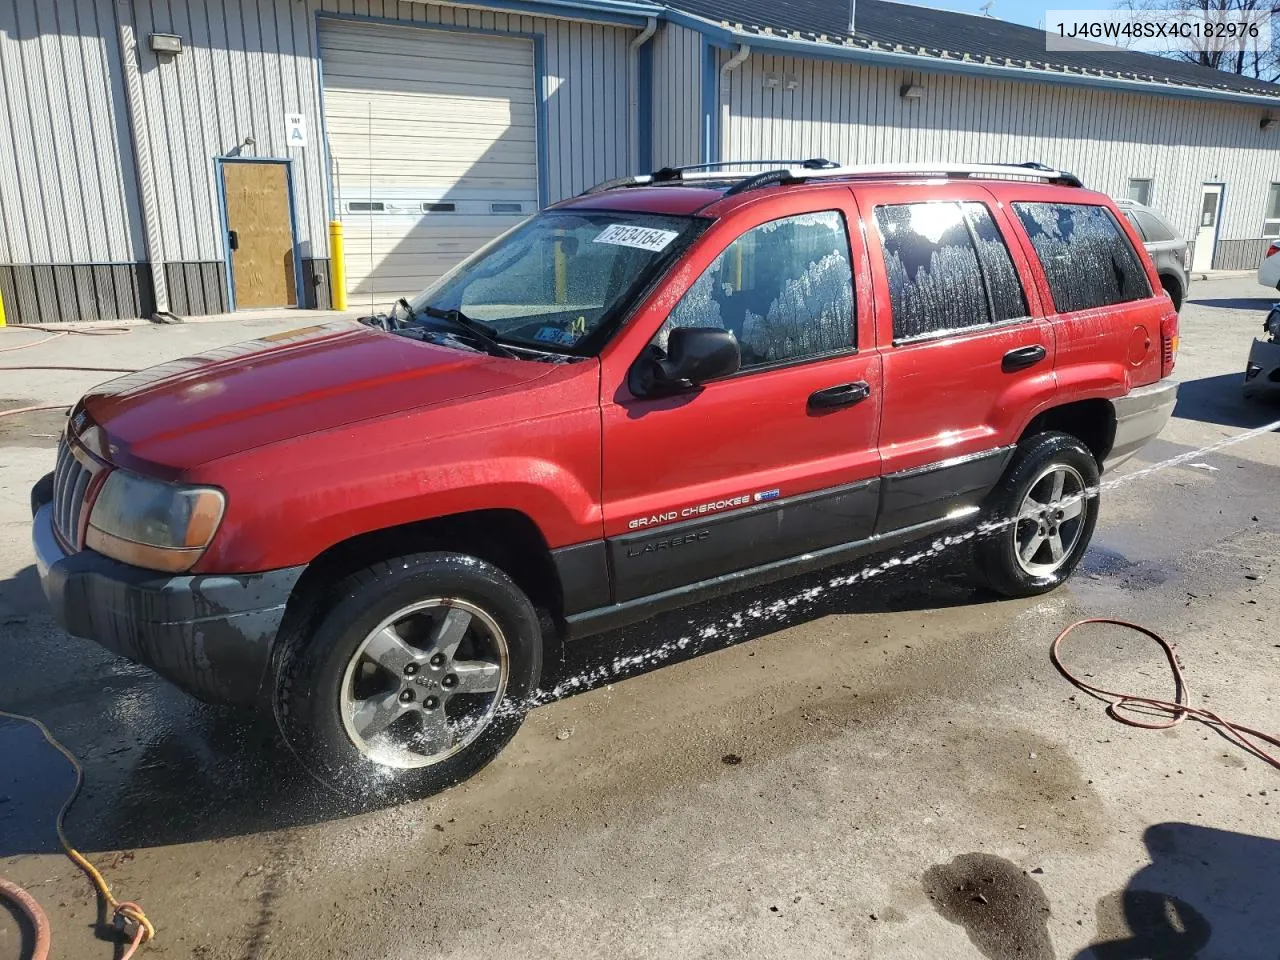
(559, 276)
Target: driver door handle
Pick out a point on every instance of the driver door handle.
(842, 395)
(1022, 358)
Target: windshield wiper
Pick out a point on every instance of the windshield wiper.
(481, 332)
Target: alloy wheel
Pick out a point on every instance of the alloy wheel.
(424, 683)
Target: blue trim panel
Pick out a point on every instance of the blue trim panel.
(222, 223)
(710, 115)
(539, 77)
(644, 107)
(726, 38)
(218, 165)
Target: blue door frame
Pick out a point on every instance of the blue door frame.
(218, 164)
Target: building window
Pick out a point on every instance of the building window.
(783, 289)
(1140, 191)
(1087, 259)
(1271, 221)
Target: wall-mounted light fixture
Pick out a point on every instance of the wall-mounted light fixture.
(911, 91)
(787, 81)
(166, 43)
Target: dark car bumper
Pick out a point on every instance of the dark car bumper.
(209, 634)
(1262, 374)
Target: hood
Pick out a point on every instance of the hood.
(169, 418)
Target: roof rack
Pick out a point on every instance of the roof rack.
(706, 171)
(824, 169)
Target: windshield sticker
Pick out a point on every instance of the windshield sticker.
(565, 338)
(642, 238)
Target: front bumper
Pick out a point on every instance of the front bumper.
(1140, 416)
(1262, 374)
(209, 634)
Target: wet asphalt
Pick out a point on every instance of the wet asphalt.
(890, 769)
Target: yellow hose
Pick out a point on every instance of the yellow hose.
(122, 910)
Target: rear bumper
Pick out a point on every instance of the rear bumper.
(211, 635)
(1140, 416)
(1262, 374)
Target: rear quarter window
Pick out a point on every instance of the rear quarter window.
(1087, 259)
(1153, 228)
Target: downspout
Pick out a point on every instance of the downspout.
(633, 103)
(740, 57)
(142, 157)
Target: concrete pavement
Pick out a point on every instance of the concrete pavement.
(889, 770)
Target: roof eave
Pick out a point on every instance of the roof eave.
(726, 36)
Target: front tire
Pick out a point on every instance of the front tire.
(414, 679)
(1041, 518)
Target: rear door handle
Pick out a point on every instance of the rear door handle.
(1022, 358)
(843, 395)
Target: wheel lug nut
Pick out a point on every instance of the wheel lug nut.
(410, 669)
(449, 682)
(431, 703)
(437, 659)
(406, 696)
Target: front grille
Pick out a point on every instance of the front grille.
(70, 487)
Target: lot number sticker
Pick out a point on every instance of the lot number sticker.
(642, 238)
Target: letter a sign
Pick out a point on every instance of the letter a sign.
(295, 134)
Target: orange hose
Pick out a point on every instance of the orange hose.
(1176, 710)
(35, 916)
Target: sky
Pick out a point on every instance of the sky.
(1028, 12)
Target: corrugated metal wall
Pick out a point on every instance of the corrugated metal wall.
(244, 65)
(677, 96)
(68, 188)
(67, 184)
(243, 72)
(854, 114)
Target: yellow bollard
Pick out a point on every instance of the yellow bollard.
(337, 267)
(1, 309)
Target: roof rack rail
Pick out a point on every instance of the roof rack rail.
(705, 171)
(822, 169)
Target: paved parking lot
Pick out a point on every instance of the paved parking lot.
(892, 770)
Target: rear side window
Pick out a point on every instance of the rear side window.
(784, 289)
(1087, 259)
(1153, 228)
(948, 268)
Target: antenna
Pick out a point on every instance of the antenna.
(985, 9)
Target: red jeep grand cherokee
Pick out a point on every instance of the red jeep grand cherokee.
(667, 388)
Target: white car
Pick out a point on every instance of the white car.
(1269, 272)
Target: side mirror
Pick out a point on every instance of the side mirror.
(694, 355)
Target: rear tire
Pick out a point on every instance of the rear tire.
(416, 677)
(1043, 515)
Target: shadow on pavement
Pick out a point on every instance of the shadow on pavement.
(162, 768)
(1219, 400)
(1206, 892)
(1262, 304)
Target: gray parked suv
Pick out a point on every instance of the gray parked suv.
(1169, 251)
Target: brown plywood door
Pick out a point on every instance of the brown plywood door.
(260, 234)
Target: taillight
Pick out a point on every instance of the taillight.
(1273, 250)
(1168, 343)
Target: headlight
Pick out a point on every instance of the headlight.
(160, 526)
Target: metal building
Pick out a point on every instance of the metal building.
(188, 156)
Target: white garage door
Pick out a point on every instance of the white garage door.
(433, 144)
